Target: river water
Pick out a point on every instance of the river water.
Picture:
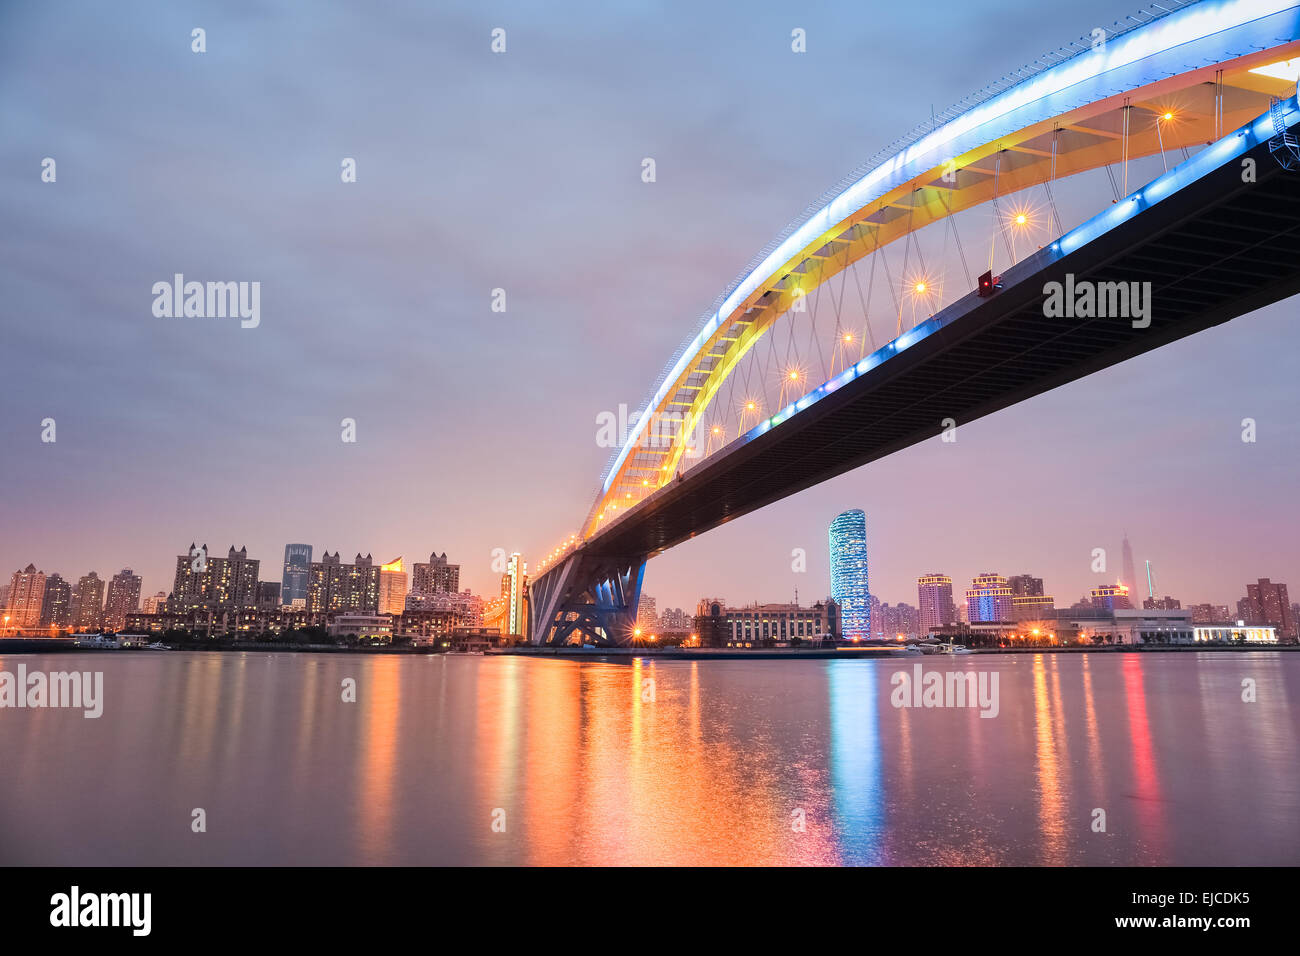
(512, 760)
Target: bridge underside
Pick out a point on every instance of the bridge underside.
(1213, 250)
(587, 599)
(1172, 85)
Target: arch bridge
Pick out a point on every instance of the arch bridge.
(1156, 157)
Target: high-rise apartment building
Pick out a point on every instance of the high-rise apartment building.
(343, 587)
(268, 595)
(934, 599)
(514, 591)
(203, 581)
(56, 607)
(989, 599)
(392, 587)
(1028, 602)
(123, 598)
(1210, 614)
(900, 618)
(849, 583)
(155, 603)
(1267, 603)
(88, 602)
(1025, 585)
(435, 577)
(26, 596)
(674, 619)
(647, 614)
(297, 573)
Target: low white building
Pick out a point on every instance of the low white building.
(1140, 626)
(362, 625)
(1234, 634)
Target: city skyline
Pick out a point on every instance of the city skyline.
(441, 574)
(361, 311)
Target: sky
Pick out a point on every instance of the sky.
(477, 430)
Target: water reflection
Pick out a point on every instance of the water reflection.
(855, 760)
(649, 762)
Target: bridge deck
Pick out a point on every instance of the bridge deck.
(1213, 250)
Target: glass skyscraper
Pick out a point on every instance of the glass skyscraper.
(848, 539)
(297, 573)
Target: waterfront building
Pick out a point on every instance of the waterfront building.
(514, 589)
(1032, 607)
(204, 581)
(1165, 603)
(711, 627)
(899, 619)
(336, 587)
(268, 594)
(1234, 634)
(469, 608)
(934, 599)
(849, 573)
(26, 597)
(647, 617)
(155, 602)
(1025, 585)
(297, 573)
(1111, 597)
(123, 597)
(88, 603)
(1267, 603)
(989, 599)
(392, 587)
(56, 606)
(674, 620)
(424, 624)
(435, 577)
(1209, 613)
(362, 626)
(1133, 626)
(767, 625)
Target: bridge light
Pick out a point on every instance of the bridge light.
(1021, 220)
(1169, 116)
(717, 430)
(749, 406)
(985, 288)
(794, 376)
(848, 336)
(920, 287)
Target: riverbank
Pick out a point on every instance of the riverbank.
(58, 645)
(854, 653)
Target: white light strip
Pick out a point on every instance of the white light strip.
(1202, 21)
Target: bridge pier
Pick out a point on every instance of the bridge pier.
(591, 598)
